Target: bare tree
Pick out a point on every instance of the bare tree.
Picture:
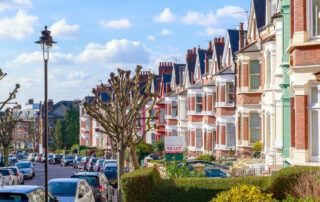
(33, 133)
(8, 123)
(12, 95)
(120, 116)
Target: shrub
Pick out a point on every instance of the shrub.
(99, 154)
(257, 146)
(243, 192)
(291, 199)
(207, 157)
(159, 146)
(83, 152)
(143, 149)
(180, 171)
(287, 181)
(146, 185)
(139, 185)
(74, 148)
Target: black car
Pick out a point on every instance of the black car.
(111, 171)
(56, 159)
(83, 163)
(76, 161)
(91, 163)
(102, 190)
(67, 160)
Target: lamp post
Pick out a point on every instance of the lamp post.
(46, 42)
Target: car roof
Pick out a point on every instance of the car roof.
(87, 174)
(25, 189)
(110, 160)
(111, 165)
(66, 180)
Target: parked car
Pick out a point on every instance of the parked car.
(67, 160)
(38, 158)
(27, 169)
(110, 170)
(57, 158)
(98, 165)
(205, 163)
(214, 172)
(91, 163)
(8, 175)
(83, 163)
(102, 190)
(43, 158)
(109, 161)
(76, 161)
(71, 189)
(12, 161)
(24, 193)
(50, 158)
(31, 164)
(3, 182)
(18, 174)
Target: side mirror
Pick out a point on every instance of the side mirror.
(80, 195)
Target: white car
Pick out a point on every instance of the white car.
(71, 189)
(26, 169)
(3, 182)
(18, 174)
(8, 175)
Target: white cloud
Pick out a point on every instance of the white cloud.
(62, 30)
(212, 32)
(231, 11)
(36, 57)
(17, 27)
(116, 24)
(14, 4)
(165, 16)
(115, 52)
(77, 75)
(151, 37)
(166, 32)
(202, 19)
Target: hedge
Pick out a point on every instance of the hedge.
(281, 181)
(146, 185)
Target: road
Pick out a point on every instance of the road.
(54, 171)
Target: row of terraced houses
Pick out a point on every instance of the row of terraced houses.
(259, 84)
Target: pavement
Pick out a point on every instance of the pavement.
(54, 171)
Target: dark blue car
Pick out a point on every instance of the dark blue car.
(110, 170)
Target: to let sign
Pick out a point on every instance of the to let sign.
(174, 148)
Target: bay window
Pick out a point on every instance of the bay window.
(198, 138)
(162, 115)
(314, 109)
(174, 108)
(174, 133)
(214, 102)
(254, 74)
(230, 92)
(254, 127)
(198, 103)
(230, 134)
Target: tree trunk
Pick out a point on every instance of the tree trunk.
(121, 159)
(134, 157)
(34, 146)
(6, 155)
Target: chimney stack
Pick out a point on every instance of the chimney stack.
(210, 45)
(241, 36)
(222, 40)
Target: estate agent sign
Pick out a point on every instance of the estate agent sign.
(174, 148)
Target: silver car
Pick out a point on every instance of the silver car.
(18, 174)
(8, 175)
(26, 169)
(71, 189)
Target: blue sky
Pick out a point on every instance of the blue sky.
(95, 37)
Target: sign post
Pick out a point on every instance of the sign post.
(174, 148)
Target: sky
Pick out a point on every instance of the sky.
(95, 37)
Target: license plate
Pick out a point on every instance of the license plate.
(113, 180)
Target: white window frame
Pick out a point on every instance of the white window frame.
(228, 92)
(309, 12)
(268, 68)
(255, 127)
(198, 138)
(198, 103)
(214, 95)
(228, 135)
(176, 109)
(314, 107)
(250, 75)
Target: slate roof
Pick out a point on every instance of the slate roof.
(59, 109)
(191, 67)
(234, 40)
(251, 48)
(142, 86)
(201, 57)
(219, 52)
(225, 71)
(166, 79)
(104, 96)
(177, 72)
(260, 11)
(155, 82)
(196, 86)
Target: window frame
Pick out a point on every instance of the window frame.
(314, 107)
(256, 128)
(198, 103)
(309, 11)
(174, 108)
(228, 134)
(198, 140)
(258, 75)
(228, 93)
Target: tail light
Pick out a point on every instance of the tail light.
(10, 178)
(101, 198)
(100, 188)
(85, 162)
(17, 174)
(91, 163)
(98, 166)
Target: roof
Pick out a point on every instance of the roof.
(211, 83)
(59, 109)
(166, 79)
(254, 47)
(177, 69)
(172, 94)
(25, 189)
(260, 11)
(87, 174)
(219, 52)
(65, 180)
(155, 82)
(184, 92)
(196, 86)
(201, 58)
(234, 40)
(225, 71)
(111, 165)
(191, 66)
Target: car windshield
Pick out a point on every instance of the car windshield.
(100, 162)
(5, 172)
(58, 156)
(92, 180)
(69, 157)
(110, 169)
(13, 197)
(94, 160)
(14, 170)
(79, 158)
(214, 173)
(50, 155)
(23, 165)
(63, 188)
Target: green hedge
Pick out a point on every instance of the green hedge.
(281, 181)
(140, 184)
(146, 185)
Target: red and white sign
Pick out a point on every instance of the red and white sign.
(173, 144)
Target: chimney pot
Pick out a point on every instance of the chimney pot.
(222, 41)
(219, 40)
(194, 50)
(241, 26)
(215, 40)
(210, 44)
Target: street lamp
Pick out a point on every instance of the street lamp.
(46, 42)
